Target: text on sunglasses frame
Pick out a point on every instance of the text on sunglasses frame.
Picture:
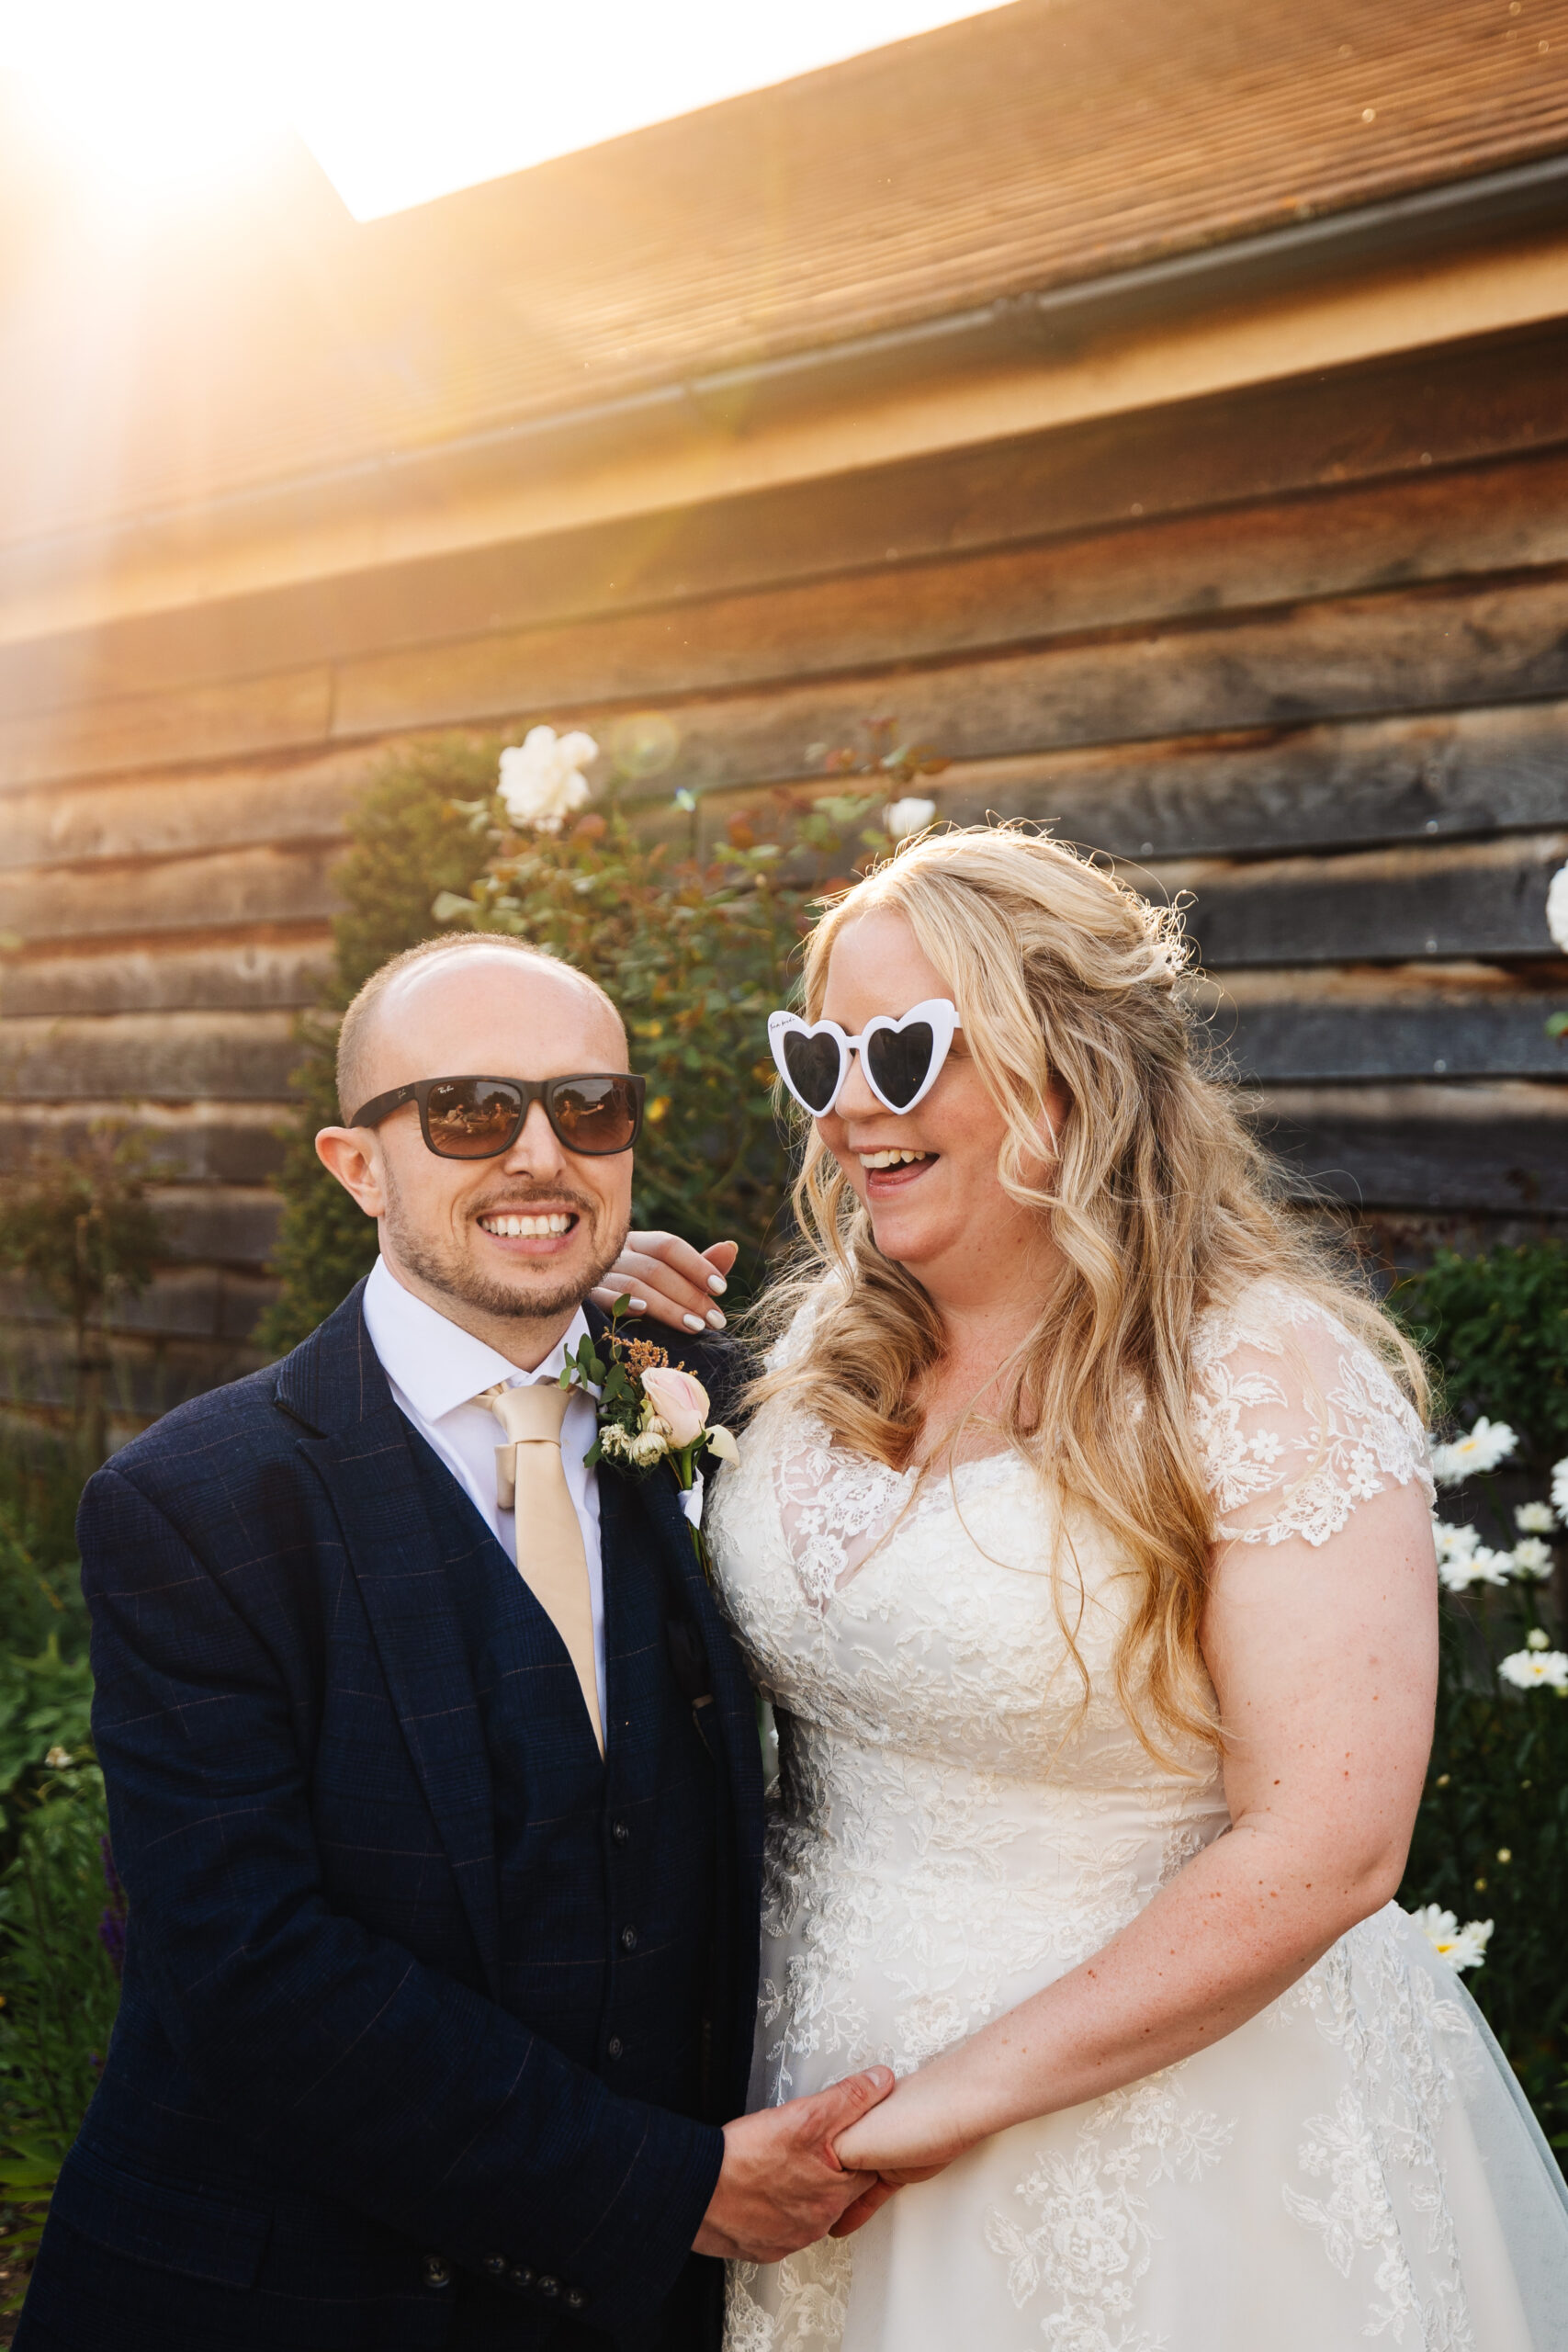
(517, 1097)
(901, 1056)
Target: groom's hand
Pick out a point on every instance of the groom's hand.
(782, 2187)
(668, 1280)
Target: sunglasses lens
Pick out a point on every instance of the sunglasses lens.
(595, 1114)
(899, 1059)
(812, 1067)
(472, 1118)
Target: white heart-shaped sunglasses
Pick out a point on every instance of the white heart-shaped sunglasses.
(902, 1058)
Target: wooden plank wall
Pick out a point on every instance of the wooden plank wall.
(1301, 652)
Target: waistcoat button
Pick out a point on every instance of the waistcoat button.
(628, 1939)
(496, 2264)
(437, 2271)
(614, 2046)
(575, 2300)
(621, 1832)
(550, 2286)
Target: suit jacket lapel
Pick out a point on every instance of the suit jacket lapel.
(365, 1460)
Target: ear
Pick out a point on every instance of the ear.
(350, 1154)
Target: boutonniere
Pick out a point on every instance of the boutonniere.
(650, 1411)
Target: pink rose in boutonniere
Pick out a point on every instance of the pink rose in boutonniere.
(651, 1411)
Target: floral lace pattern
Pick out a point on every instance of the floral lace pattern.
(965, 1813)
(1408, 2050)
(1093, 2239)
(1311, 1450)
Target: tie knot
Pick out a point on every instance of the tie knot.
(532, 1413)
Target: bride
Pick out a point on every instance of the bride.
(1081, 1543)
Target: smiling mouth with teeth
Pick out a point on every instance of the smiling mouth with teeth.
(891, 1158)
(511, 1225)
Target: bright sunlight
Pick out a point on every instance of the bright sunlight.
(407, 100)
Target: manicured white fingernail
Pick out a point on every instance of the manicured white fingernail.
(693, 1322)
(639, 1307)
(718, 1285)
(716, 1317)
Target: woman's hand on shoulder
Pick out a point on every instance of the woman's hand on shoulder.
(670, 1282)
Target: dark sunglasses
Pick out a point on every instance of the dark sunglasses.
(478, 1118)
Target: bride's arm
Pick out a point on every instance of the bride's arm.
(1324, 1663)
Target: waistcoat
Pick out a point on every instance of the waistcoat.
(607, 1869)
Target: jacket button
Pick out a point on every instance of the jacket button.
(496, 2264)
(621, 1832)
(614, 2046)
(522, 2275)
(628, 1939)
(437, 2271)
(575, 2300)
(550, 2286)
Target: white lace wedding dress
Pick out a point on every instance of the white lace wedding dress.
(955, 1831)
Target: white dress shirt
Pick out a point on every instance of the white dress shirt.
(437, 1369)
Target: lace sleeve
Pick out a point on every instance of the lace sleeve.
(1297, 1420)
(795, 1338)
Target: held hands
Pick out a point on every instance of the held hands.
(670, 1281)
(916, 2133)
(782, 2187)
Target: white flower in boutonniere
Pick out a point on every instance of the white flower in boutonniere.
(651, 1411)
(542, 780)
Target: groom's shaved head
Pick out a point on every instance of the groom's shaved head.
(365, 1025)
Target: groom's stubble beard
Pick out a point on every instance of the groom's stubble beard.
(445, 1267)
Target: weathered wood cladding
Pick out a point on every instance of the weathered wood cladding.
(1299, 655)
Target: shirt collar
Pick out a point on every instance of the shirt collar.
(433, 1361)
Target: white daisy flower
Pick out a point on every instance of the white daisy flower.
(1560, 1489)
(1532, 1558)
(1481, 1567)
(1534, 1519)
(1536, 1669)
(1461, 1947)
(1536, 1640)
(1480, 1448)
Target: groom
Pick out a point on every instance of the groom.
(439, 1818)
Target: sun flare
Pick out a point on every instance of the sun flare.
(400, 100)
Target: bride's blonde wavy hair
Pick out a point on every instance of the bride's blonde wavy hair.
(1159, 1203)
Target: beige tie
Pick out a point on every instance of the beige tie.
(531, 1480)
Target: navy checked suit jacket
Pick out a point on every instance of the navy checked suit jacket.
(312, 2096)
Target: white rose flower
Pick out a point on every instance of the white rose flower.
(541, 778)
(1557, 909)
(1532, 1558)
(909, 816)
(1480, 1448)
(1461, 1947)
(1536, 1669)
(1560, 1489)
(1534, 1519)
